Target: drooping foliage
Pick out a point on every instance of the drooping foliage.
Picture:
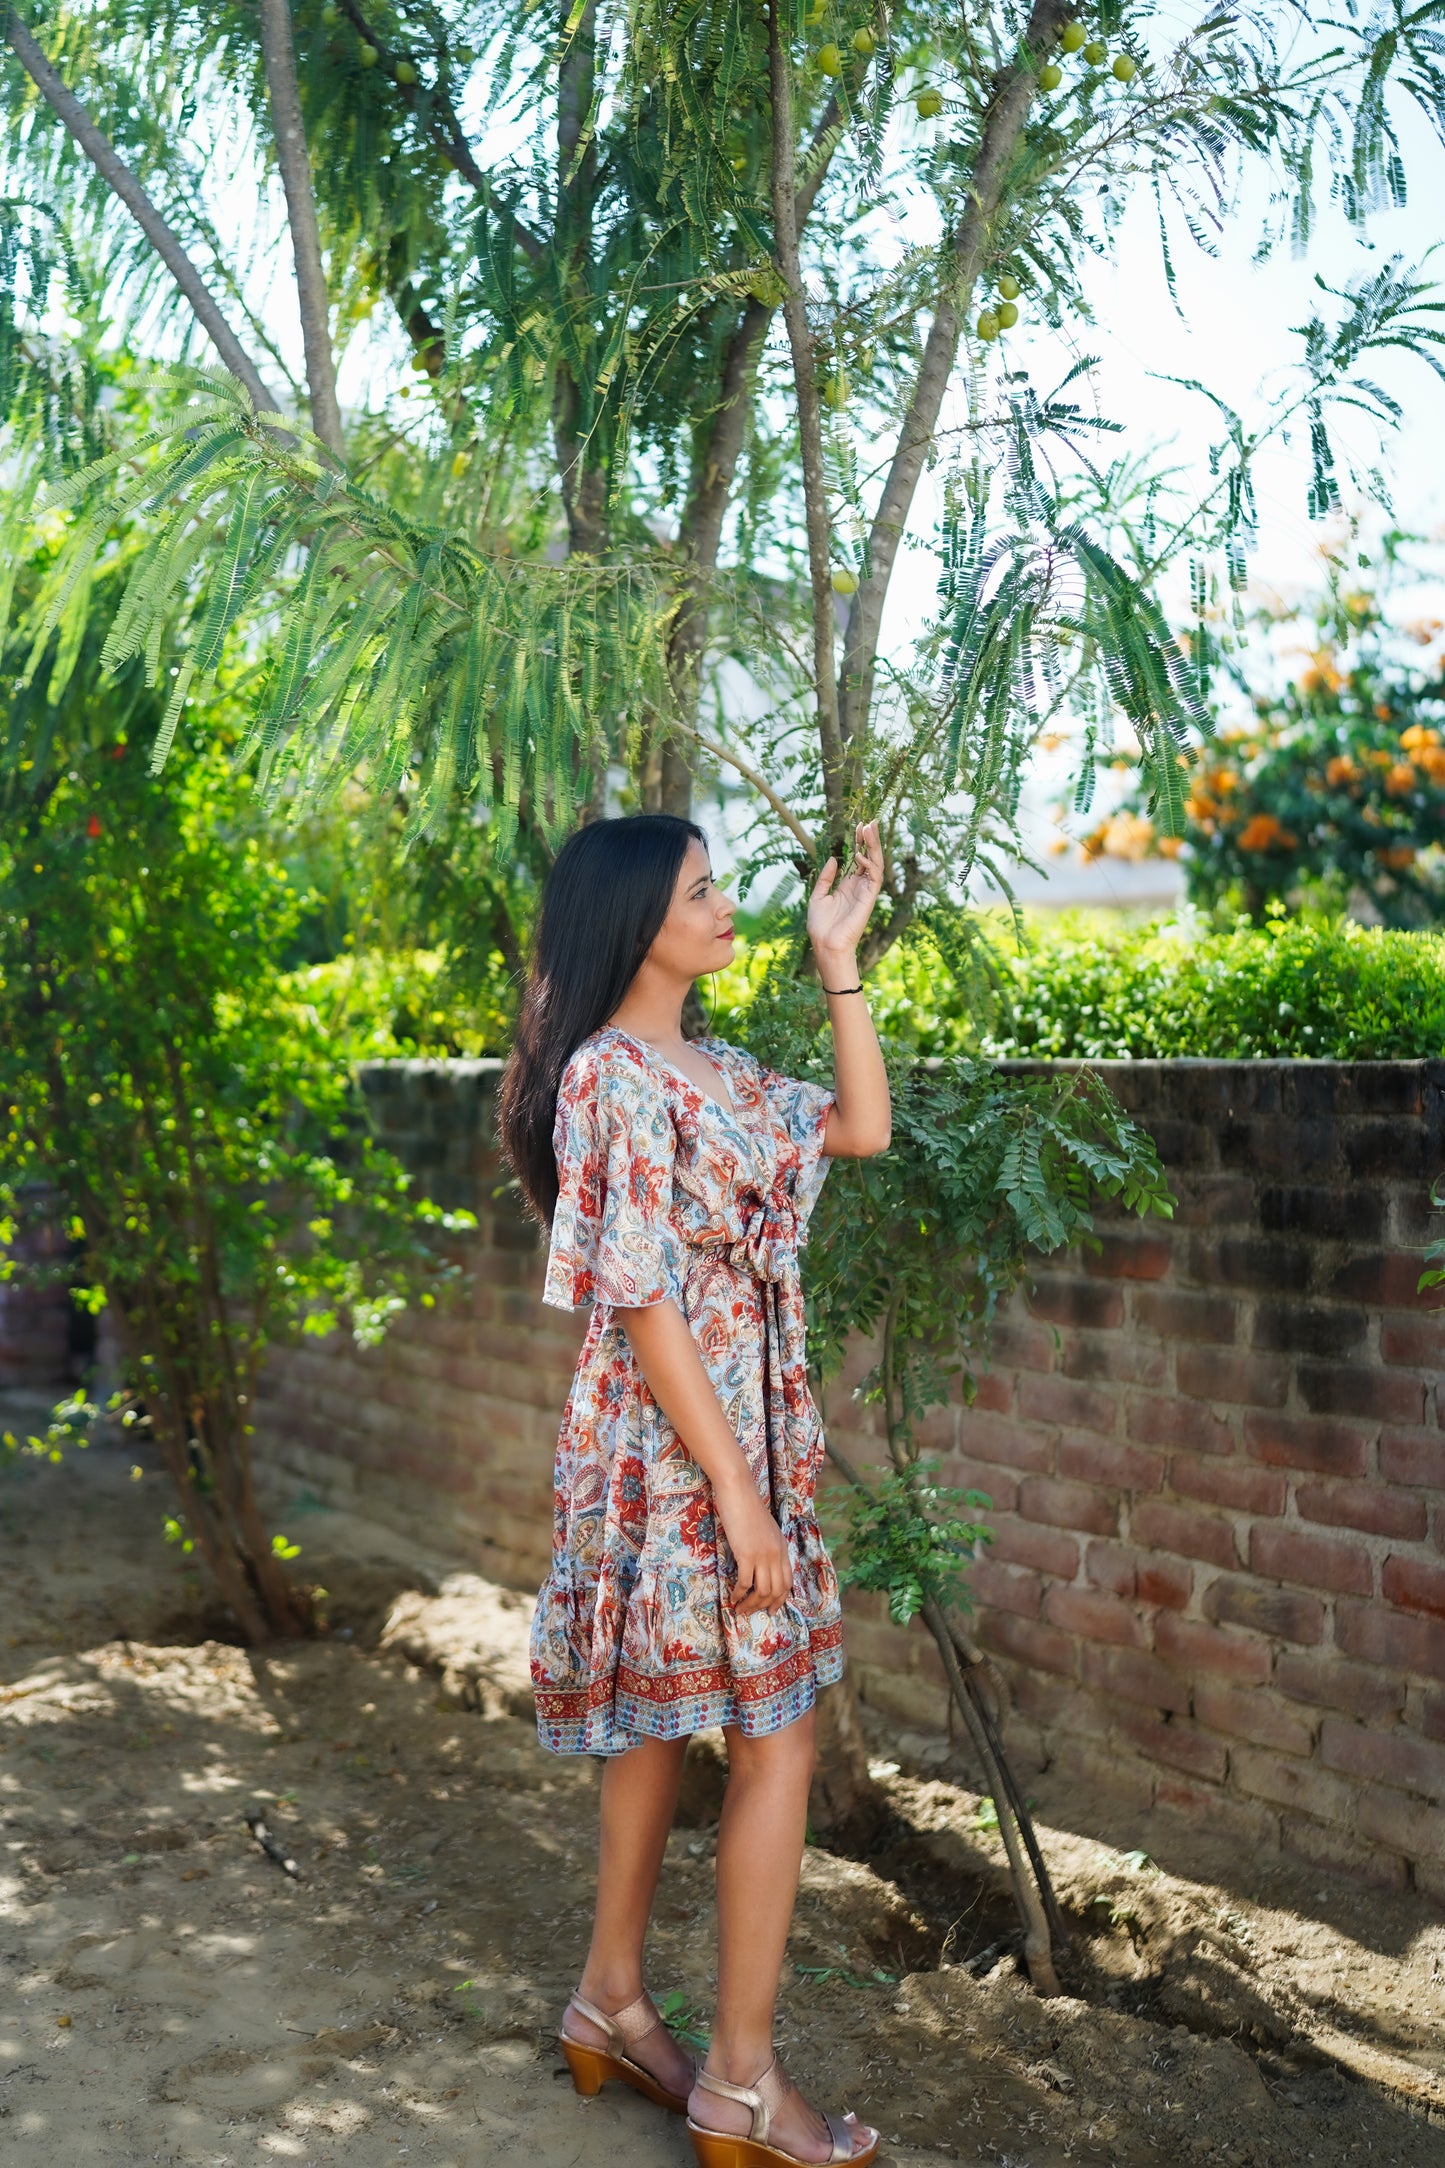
(572, 221)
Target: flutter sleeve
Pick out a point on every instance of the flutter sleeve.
(613, 1238)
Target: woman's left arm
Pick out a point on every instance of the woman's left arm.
(860, 1120)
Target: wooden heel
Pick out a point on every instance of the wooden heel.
(590, 2067)
(719, 2149)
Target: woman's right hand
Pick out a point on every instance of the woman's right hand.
(765, 1565)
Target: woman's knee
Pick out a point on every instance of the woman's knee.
(790, 1752)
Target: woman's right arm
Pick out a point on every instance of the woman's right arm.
(667, 1356)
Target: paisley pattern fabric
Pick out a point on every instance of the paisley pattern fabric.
(667, 1194)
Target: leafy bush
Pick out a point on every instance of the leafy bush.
(188, 1123)
(1334, 795)
(1292, 988)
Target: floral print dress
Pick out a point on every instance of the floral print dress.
(666, 1193)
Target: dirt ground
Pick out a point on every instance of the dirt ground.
(169, 1994)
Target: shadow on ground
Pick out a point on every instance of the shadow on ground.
(169, 1993)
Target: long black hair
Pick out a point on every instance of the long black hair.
(603, 907)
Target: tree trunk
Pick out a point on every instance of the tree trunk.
(294, 160)
(122, 183)
(844, 1800)
(1014, 89)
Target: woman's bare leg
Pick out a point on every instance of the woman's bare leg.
(759, 1854)
(639, 1799)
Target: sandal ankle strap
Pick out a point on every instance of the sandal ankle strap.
(763, 2097)
(623, 2028)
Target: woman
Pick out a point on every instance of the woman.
(690, 1584)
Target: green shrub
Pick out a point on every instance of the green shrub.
(1292, 988)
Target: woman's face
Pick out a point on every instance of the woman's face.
(697, 934)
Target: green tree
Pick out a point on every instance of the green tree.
(680, 378)
(175, 1110)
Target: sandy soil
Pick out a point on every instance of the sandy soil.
(167, 1993)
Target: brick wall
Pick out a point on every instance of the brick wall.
(1216, 1451)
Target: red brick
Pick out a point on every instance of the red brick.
(1210, 1373)
(1025, 1543)
(1121, 1359)
(994, 1391)
(1127, 1254)
(1179, 1744)
(1417, 1342)
(1400, 1758)
(1216, 1200)
(1379, 1636)
(1406, 1825)
(1415, 1585)
(1178, 1313)
(1124, 1776)
(1314, 1561)
(1094, 1616)
(1160, 1421)
(997, 1485)
(1065, 1400)
(1163, 1527)
(1139, 1575)
(1057, 1703)
(1328, 1682)
(996, 1438)
(1297, 1785)
(1366, 1506)
(1277, 1612)
(1432, 1714)
(1230, 1483)
(1358, 1389)
(1182, 1796)
(1190, 1647)
(1315, 1442)
(1415, 1457)
(1116, 1467)
(1068, 1505)
(1255, 1715)
(1064, 1301)
(1133, 1675)
(1002, 1588)
(1339, 1854)
(1384, 1282)
(1028, 1642)
(1023, 1345)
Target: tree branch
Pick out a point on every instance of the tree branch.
(294, 160)
(123, 184)
(438, 116)
(584, 483)
(759, 783)
(1014, 88)
(714, 471)
(810, 430)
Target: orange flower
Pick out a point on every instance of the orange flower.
(1417, 737)
(1198, 805)
(1224, 780)
(1320, 675)
(1383, 711)
(1340, 770)
(1170, 846)
(1432, 760)
(1398, 857)
(1401, 780)
(1263, 832)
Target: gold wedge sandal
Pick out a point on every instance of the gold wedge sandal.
(591, 2067)
(732, 2149)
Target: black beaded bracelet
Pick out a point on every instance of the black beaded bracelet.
(842, 989)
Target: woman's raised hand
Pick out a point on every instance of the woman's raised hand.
(839, 910)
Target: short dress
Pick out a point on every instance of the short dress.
(665, 1193)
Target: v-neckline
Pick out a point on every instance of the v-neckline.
(726, 1106)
